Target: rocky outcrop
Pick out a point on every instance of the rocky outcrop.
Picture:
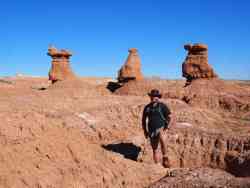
(213, 94)
(193, 148)
(60, 69)
(37, 150)
(196, 64)
(131, 70)
(200, 178)
(217, 94)
(53, 138)
(204, 90)
(141, 88)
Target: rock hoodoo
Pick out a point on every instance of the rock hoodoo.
(60, 69)
(131, 70)
(196, 64)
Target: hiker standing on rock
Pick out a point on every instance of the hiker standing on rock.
(155, 122)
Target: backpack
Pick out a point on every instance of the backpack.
(161, 114)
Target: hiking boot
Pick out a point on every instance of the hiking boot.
(165, 162)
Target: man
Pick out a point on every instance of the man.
(155, 121)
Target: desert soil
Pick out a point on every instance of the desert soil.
(79, 134)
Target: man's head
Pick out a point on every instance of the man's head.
(154, 95)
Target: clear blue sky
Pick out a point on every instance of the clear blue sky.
(99, 32)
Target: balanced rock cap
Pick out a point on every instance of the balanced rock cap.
(53, 52)
(196, 47)
(132, 50)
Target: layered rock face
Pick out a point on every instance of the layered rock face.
(60, 69)
(192, 148)
(131, 70)
(196, 64)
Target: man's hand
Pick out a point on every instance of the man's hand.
(172, 121)
(146, 134)
(166, 128)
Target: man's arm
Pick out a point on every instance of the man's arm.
(144, 122)
(172, 121)
(166, 113)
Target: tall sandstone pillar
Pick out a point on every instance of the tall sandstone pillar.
(131, 70)
(60, 68)
(196, 64)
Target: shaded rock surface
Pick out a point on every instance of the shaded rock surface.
(238, 163)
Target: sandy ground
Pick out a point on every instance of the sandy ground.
(53, 136)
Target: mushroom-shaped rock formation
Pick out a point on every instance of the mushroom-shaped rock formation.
(131, 70)
(196, 64)
(60, 69)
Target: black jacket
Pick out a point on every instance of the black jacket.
(157, 114)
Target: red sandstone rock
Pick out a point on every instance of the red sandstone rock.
(217, 94)
(131, 70)
(189, 147)
(53, 138)
(60, 69)
(201, 177)
(196, 63)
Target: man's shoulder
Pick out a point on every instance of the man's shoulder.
(147, 105)
(162, 104)
(151, 104)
